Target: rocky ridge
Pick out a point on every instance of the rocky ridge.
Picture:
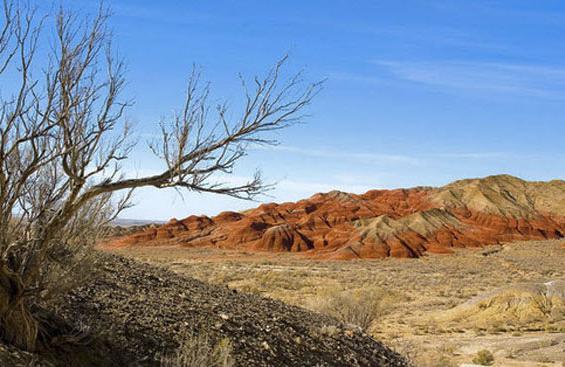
(379, 223)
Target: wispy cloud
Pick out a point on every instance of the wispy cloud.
(357, 78)
(365, 157)
(525, 12)
(504, 78)
(472, 155)
(436, 36)
(378, 158)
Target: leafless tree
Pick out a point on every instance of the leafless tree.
(63, 139)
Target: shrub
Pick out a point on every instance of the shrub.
(359, 307)
(198, 351)
(484, 358)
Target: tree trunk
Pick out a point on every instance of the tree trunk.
(17, 325)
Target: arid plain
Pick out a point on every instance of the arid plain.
(417, 295)
(441, 275)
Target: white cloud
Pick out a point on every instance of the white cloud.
(473, 155)
(365, 157)
(515, 79)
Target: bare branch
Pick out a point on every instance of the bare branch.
(193, 151)
(63, 138)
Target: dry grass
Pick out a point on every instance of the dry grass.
(361, 307)
(406, 296)
(198, 351)
(484, 358)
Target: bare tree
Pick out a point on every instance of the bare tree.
(63, 139)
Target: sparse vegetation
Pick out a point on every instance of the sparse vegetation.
(66, 172)
(198, 351)
(360, 307)
(416, 293)
(484, 358)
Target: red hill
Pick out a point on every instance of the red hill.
(380, 223)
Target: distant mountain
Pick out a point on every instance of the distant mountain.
(126, 222)
(380, 223)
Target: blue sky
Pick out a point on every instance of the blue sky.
(418, 92)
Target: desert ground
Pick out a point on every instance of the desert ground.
(135, 314)
(439, 310)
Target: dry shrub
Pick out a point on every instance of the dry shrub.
(424, 356)
(359, 307)
(484, 358)
(198, 351)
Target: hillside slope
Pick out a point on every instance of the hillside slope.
(147, 311)
(380, 223)
(523, 305)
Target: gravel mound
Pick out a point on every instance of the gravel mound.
(144, 312)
